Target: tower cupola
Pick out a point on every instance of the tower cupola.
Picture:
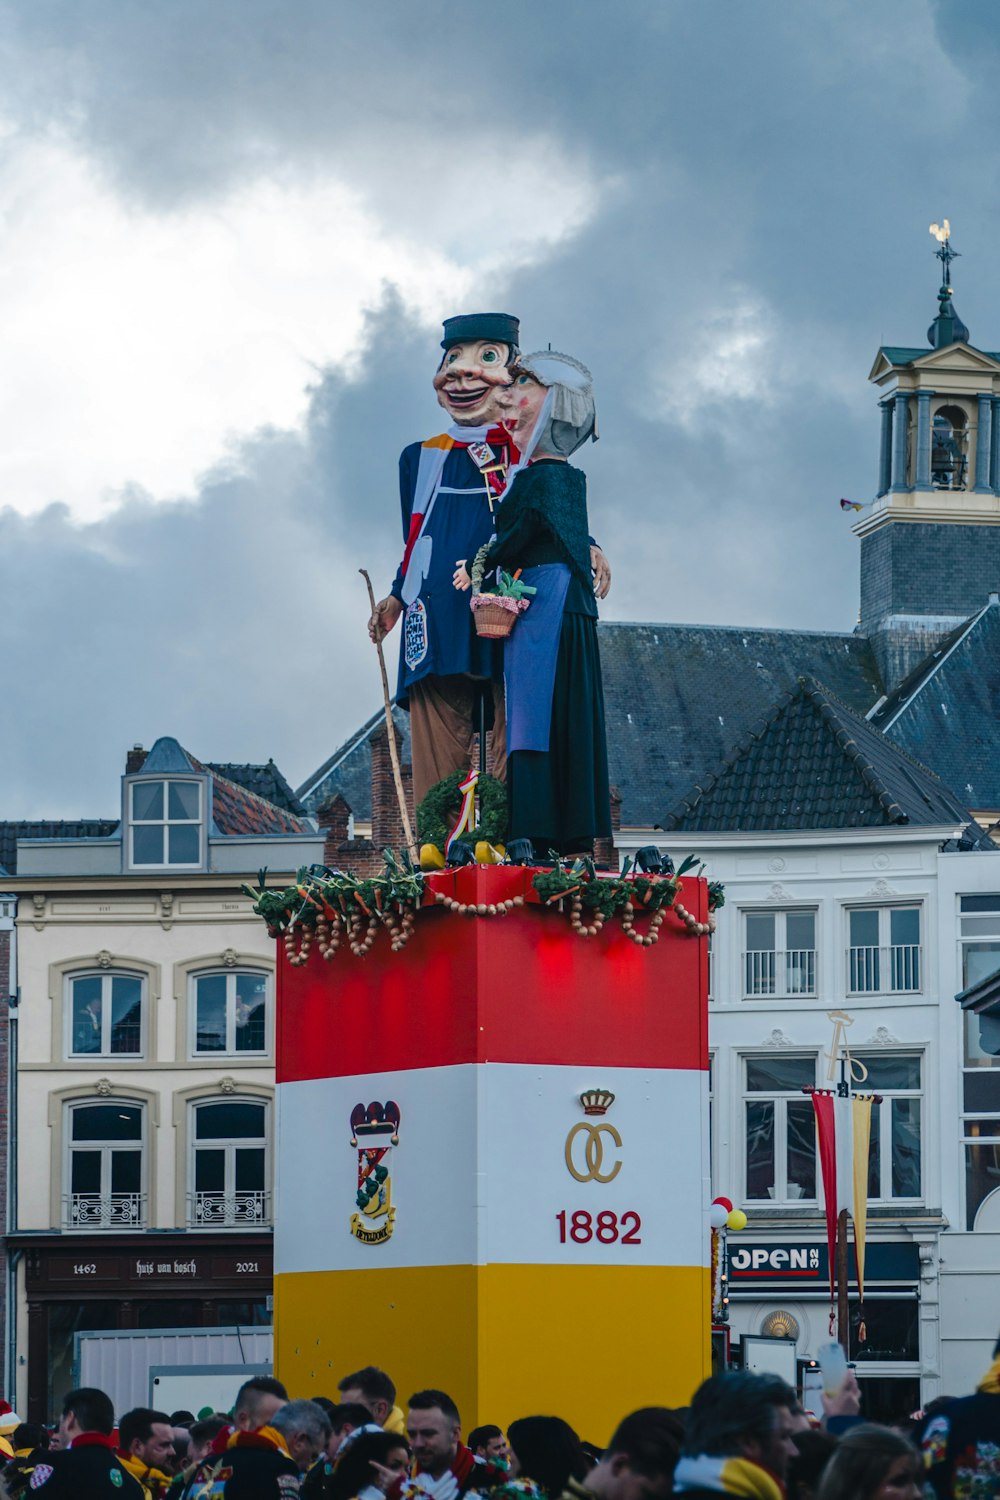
(930, 540)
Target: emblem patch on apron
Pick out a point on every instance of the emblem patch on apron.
(415, 634)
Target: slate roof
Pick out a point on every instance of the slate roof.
(678, 697)
(44, 828)
(947, 712)
(267, 781)
(813, 764)
(349, 769)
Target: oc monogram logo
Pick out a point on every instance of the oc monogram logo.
(593, 1152)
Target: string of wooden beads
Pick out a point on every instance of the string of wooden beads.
(298, 954)
(362, 945)
(401, 930)
(696, 928)
(328, 935)
(579, 926)
(647, 939)
(483, 909)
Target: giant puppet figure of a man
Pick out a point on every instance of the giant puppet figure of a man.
(449, 488)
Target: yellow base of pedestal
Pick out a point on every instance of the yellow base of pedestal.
(587, 1343)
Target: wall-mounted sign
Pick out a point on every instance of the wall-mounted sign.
(801, 1263)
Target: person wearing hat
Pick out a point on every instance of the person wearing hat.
(557, 759)
(449, 489)
(9, 1421)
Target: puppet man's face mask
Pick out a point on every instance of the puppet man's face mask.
(469, 379)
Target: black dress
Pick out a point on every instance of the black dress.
(559, 795)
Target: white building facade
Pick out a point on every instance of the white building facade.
(882, 925)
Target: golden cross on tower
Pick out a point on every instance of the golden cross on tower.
(944, 252)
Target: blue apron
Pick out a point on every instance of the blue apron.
(529, 656)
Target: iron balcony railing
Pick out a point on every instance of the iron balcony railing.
(104, 1210)
(893, 970)
(770, 971)
(228, 1210)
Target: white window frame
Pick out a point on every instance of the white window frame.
(971, 1117)
(166, 823)
(889, 1200)
(885, 950)
(113, 1217)
(201, 1216)
(785, 962)
(968, 939)
(106, 976)
(231, 976)
(780, 1103)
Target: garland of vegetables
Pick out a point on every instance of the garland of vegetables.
(330, 906)
(593, 899)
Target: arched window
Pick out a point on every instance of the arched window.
(949, 448)
(230, 1170)
(230, 1013)
(105, 1014)
(105, 1166)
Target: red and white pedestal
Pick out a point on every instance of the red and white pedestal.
(514, 1250)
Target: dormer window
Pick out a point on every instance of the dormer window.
(166, 823)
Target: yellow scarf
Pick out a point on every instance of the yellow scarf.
(990, 1383)
(725, 1476)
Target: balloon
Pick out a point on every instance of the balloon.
(726, 1203)
(717, 1216)
(737, 1219)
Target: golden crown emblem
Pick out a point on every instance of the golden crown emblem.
(597, 1101)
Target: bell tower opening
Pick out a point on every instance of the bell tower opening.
(949, 448)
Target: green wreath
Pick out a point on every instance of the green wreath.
(439, 809)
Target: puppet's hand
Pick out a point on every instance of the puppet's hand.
(602, 572)
(387, 612)
(461, 579)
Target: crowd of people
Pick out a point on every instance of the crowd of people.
(743, 1434)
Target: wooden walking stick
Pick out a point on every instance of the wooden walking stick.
(397, 774)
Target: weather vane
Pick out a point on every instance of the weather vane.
(944, 252)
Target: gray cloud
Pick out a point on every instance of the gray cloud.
(770, 174)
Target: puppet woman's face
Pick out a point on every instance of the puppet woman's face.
(468, 380)
(520, 404)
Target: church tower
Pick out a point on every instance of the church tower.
(930, 543)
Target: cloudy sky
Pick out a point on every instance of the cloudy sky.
(229, 232)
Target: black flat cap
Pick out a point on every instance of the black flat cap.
(469, 328)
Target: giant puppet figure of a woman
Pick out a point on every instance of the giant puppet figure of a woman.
(557, 762)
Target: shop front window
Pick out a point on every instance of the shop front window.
(892, 1330)
(65, 1319)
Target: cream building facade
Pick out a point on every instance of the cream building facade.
(142, 1121)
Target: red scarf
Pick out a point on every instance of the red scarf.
(94, 1440)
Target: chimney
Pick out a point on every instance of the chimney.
(387, 825)
(135, 760)
(605, 853)
(334, 816)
